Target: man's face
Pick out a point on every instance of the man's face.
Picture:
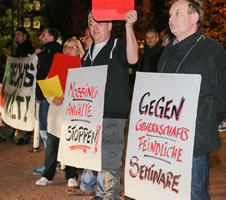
(45, 37)
(100, 31)
(181, 22)
(87, 40)
(151, 39)
(20, 37)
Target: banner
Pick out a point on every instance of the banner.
(18, 92)
(161, 136)
(80, 142)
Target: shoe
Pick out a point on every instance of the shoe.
(22, 141)
(2, 139)
(96, 198)
(72, 182)
(43, 181)
(38, 171)
(222, 127)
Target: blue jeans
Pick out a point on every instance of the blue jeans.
(200, 178)
(89, 179)
(43, 112)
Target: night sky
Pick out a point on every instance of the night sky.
(70, 16)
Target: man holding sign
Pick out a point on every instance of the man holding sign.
(191, 52)
(118, 55)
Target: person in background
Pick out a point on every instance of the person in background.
(152, 51)
(72, 47)
(167, 36)
(191, 52)
(23, 49)
(49, 47)
(87, 39)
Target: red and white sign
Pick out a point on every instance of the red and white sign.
(161, 136)
(81, 135)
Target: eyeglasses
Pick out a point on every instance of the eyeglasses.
(72, 47)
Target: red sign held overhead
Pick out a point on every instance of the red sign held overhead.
(60, 65)
(104, 10)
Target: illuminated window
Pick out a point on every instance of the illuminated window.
(37, 5)
(36, 23)
(27, 22)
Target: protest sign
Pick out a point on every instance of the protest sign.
(103, 10)
(161, 136)
(60, 65)
(81, 135)
(18, 92)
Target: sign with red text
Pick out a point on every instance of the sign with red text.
(103, 10)
(80, 142)
(161, 136)
(17, 98)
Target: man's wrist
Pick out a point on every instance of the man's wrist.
(129, 25)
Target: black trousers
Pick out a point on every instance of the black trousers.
(50, 162)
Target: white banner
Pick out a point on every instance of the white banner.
(80, 142)
(18, 92)
(161, 136)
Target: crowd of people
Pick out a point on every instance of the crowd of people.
(182, 49)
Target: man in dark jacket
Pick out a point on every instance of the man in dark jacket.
(118, 55)
(24, 49)
(191, 52)
(152, 52)
(50, 46)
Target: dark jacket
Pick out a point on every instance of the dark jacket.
(207, 58)
(24, 49)
(45, 62)
(116, 103)
(149, 60)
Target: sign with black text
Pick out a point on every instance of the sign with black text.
(161, 136)
(81, 135)
(17, 99)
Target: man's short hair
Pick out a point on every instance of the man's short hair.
(53, 32)
(195, 6)
(152, 30)
(90, 15)
(23, 30)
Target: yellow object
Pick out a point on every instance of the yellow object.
(51, 87)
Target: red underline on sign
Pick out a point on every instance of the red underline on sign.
(82, 147)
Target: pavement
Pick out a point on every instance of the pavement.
(17, 182)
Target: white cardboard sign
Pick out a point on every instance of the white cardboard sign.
(18, 92)
(80, 142)
(161, 136)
